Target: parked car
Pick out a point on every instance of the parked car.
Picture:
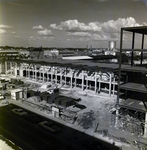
(50, 126)
(32, 118)
(19, 111)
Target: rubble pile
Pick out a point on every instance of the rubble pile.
(87, 119)
(128, 123)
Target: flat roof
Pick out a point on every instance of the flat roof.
(133, 105)
(139, 29)
(77, 57)
(86, 63)
(134, 87)
(134, 68)
(8, 52)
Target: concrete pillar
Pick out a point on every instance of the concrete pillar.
(82, 80)
(60, 76)
(35, 73)
(11, 67)
(21, 70)
(113, 86)
(56, 75)
(95, 82)
(51, 74)
(47, 75)
(110, 83)
(71, 79)
(15, 69)
(25, 93)
(43, 73)
(29, 72)
(100, 82)
(86, 84)
(65, 76)
(6, 67)
(145, 127)
(75, 80)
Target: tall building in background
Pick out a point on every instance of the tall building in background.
(112, 45)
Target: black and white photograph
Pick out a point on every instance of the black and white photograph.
(73, 74)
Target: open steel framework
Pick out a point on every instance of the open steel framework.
(138, 87)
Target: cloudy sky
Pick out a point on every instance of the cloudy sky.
(68, 23)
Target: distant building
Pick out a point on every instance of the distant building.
(24, 52)
(112, 45)
(8, 53)
(36, 53)
(53, 52)
(66, 52)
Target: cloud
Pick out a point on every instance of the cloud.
(109, 26)
(5, 26)
(99, 37)
(38, 27)
(145, 24)
(82, 39)
(85, 34)
(45, 38)
(115, 26)
(13, 32)
(45, 32)
(32, 38)
(54, 26)
(96, 30)
(2, 31)
(74, 25)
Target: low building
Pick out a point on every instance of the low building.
(36, 53)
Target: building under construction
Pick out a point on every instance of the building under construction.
(128, 82)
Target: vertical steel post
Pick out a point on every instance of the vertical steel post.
(95, 82)
(119, 76)
(142, 46)
(113, 86)
(119, 72)
(82, 80)
(110, 83)
(132, 57)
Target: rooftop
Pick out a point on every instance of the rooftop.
(139, 29)
(86, 64)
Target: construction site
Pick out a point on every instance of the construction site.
(105, 100)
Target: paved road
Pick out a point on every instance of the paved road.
(30, 136)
